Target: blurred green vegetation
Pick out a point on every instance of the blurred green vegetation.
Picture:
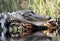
(46, 7)
(8, 5)
(43, 7)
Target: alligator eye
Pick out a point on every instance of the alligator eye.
(0, 29)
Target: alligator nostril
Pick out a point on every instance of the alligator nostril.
(48, 17)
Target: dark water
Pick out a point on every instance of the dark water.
(38, 36)
(3, 26)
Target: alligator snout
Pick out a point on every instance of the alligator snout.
(48, 17)
(30, 15)
(43, 18)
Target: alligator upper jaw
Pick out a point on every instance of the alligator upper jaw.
(37, 23)
(39, 19)
(42, 18)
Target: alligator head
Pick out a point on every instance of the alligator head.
(23, 16)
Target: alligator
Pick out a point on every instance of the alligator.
(8, 20)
